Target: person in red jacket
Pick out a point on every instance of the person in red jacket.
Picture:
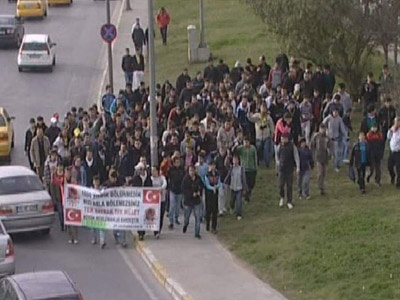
(163, 20)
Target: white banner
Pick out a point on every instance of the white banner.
(123, 208)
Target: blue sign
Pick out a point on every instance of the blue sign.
(108, 32)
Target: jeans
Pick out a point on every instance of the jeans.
(337, 154)
(286, 180)
(222, 193)
(264, 150)
(345, 147)
(321, 174)
(197, 213)
(128, 77)
(251, 182)
(120, 236)
(375, 166)
(306, 131)
(98, 233)
(361, 176)
(237, 202)
(175, 201)
(303, 183)
(163, 31)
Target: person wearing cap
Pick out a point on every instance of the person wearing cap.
(212, 182)
(29, 135)
(337, 133)
(320, 147)
(287, 160)
(53, 131)
(39, 151)
(175, 175)
(376, 147)
(249, 160)
(306, 165)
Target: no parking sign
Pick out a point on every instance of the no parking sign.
(108, 32)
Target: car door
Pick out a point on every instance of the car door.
(10, 129)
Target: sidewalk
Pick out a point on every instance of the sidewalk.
(188, 268)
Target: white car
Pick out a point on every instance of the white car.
(37, 51)
(25, 205)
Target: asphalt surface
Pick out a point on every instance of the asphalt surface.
(112, 273)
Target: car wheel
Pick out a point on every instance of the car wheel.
(8, 158)
(19, 69)
(12, 142)
(51, 69)
(54, 61)
(71, 1)
(45, 13)
(45, 231)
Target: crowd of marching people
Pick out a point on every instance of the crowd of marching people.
(215, 131)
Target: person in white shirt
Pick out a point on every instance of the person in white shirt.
(393, 136)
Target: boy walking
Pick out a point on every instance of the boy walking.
(236, 180)
(306, 164)
(360, 158)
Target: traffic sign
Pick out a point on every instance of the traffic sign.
(108, 32)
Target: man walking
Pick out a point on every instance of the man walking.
(138, 36)
(320, 145)
(29, 135)
(287, 158)
(127, 66)
(163, 20)
(393, 136)
(175, 176)
(40, 149)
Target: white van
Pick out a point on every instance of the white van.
(37, 51)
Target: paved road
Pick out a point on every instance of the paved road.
(112, 273)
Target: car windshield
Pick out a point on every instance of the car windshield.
(6, 21)
(19, 185)
(34, 46)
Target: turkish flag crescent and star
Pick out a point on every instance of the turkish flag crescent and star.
(151, 197)
(73, 215)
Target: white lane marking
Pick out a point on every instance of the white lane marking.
(104, 75)
(135, 272)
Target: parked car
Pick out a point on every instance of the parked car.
(6, 134)
(25, 205)
(32, 8)
(44, 285)
(57, 2)
(37, 51)
(11, 30)
(7, 260)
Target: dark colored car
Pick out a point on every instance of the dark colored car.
(11, 30)
(44, 285)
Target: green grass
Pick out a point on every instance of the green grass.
(341, 246)
(232, 32)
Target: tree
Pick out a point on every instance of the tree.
(335, 32)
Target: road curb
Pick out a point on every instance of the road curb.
(160, 272)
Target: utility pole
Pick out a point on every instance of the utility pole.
(153, 104)
(128, 5)
(202, 29)
(110, 62)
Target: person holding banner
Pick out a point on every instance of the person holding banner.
(159, 181)
(192, 187)
(141, 179)
(72, 230)
(56, 192)
(101, 233)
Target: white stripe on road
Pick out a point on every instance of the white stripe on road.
(136, 273)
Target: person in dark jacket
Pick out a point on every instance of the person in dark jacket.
(29, 135)
(306, 164)
(141, 179)
(53, 131)
(91, 166)
(287, 158)
(360, 158)
(192, 187)
(386, 116)
(329, 79)
(175, 175)
(138, 36)
(127, 66)
(212, 182)
(211, 72)
(181, 81)
(123, 164)
(369, 120)
(376, 147)
(369, 93)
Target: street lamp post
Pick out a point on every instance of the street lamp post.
(110, 60)
(202, 29)
(153, 104)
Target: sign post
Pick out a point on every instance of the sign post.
(108, 33)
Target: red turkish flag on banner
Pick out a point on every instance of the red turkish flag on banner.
(151, 197)
(73, 215)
